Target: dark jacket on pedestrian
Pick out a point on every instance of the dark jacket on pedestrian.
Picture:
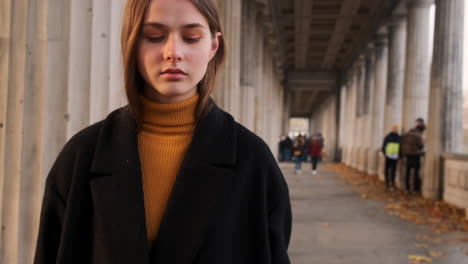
(392, 137)
(230, 203)
(412, 143)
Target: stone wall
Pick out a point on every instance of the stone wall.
(455, 180)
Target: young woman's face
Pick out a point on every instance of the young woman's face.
(174, 48)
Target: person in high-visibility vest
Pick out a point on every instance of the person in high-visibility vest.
(391, 150)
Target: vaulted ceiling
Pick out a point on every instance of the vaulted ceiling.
(319, 40)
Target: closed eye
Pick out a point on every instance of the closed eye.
(192, 40)
(155, 39)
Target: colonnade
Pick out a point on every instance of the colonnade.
(397, 79)
(61, 70)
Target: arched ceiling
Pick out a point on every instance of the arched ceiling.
(319, 40)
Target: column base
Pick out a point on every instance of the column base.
(372, 161)
(362, 164)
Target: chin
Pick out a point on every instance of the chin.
(175, 91)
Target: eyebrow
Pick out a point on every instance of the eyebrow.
(159, 25)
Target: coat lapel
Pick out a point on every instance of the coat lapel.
(117, 191)
(201, 187)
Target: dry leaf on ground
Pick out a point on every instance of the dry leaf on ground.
(419, 258)
(435, 254)
(422, 245)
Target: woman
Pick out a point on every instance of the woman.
(315, 151)
(170, 178)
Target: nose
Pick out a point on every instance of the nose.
(172, 49)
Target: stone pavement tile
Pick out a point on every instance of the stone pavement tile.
(333, 224)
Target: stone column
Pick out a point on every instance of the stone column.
(258, 100)
(14, 133)
(418, 59)
(116, 80)
(80, 64)
(100, 63)
(55, 128)
(248, 67)
(5, 18)
(342, 120)
(228, 89)
(32, 146)
(378, 111)
(396, 72)
(351, 117)
(358, 136)
(286, 110)
(445, 131)
(367, 107)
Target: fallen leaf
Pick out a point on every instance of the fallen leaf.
(419, 258)
(326, 225)
(422, 237)
(435, 254)
(422, 245)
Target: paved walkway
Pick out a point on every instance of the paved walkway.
(334, 225)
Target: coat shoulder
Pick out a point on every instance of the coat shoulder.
(77, 154)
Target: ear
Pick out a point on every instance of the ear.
(215, 45)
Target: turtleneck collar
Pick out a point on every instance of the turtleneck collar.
(169, 119)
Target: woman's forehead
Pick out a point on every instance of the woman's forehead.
(173, 13)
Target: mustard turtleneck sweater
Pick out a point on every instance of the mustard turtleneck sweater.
(165, 136)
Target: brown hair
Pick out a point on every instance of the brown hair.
(133, 18)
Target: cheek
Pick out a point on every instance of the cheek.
(146, 57)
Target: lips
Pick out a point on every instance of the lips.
(174, 71)
(173, 74)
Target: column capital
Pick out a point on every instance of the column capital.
(419, 3)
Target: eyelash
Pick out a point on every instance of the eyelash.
(160, 39)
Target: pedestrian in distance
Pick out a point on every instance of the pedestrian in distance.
(412, 148)
(315, 151)
(288, 148)
(391, 151)
(281, 148)
(169, 178)
(299, 144)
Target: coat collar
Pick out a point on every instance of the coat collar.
(201, 187)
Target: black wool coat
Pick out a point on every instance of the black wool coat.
(229, 205)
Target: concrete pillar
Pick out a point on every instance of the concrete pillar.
(55, 103)
(341, 120)
(5, 17)
(258, 101)
(265, 91)
(248, 67)
(418, 59)
(116, 79)
(369, 83)
(286, 110)
(14, 133)
(33, 120)
(445, 131)
(80, 66)
(100, 62)
(396, 72)
(358, 136)
(378, 112)
(228, 93)
(351, 116)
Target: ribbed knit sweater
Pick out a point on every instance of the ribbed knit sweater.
(165, 136)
